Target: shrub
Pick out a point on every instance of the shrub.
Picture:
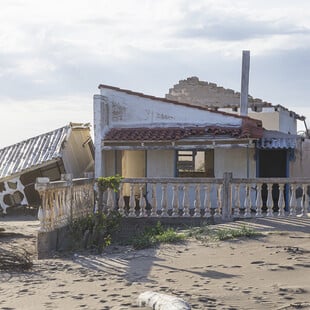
(94, 231)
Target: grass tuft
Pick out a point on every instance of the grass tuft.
(205, 233)
(156, 235)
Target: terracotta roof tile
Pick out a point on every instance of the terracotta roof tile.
(248, 130)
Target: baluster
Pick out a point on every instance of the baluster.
(281, 203)
(305, 201)
(69, 203)
(258, 201)
(132, 202)
(247, 201)
(61, 208)
(41, 218)
(110, 200)
(197, 201)
(293, 200)
(207, 201)
(49, 211)
(237, 201)
(154, 201)
(269, 201)
(121, 200)
(175, 200)
(163, 203)
(56, 209)
(66, 206)
(185, 201)
(219, 201)
(41, 213)
(142, 202)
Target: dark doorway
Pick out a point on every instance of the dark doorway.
(272, 164)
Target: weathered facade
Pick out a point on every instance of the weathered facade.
(280, 152)
(205, 94)
(68, 149)
(143, 136)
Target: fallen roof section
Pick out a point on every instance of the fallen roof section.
(35, 151)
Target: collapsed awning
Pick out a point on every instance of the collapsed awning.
(272, 139)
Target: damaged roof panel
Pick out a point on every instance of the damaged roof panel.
(35, 151)
(277, 140)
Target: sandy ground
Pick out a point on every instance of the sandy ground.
(268, 272)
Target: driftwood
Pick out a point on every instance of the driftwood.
(15, 258)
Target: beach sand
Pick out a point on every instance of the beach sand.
(267, 272)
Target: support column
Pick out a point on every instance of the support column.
(245, 83)
(226, 203)
(100, 123)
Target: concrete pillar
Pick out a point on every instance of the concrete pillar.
(226, 203)
(245, 83)
(99, 124)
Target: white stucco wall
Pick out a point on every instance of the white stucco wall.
(269, 119)
(133, 164)
(161, 163)
(234, 160)
(109, 162)
(288, 123)
(127, 110)
(276, 120)
(300, 167)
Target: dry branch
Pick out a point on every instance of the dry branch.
(15, 258)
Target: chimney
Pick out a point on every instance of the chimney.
(245, 83)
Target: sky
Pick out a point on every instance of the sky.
(54, 54)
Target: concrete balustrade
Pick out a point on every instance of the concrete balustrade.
(225, 198)
(63, 201)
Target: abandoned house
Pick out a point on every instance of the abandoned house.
(68, 149)
(137, 135)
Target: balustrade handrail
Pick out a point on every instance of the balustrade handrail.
(282, 180)
(54, 185)
(64, 201)
(167, 180)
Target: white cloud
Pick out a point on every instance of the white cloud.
(21, 120)
(65, 49)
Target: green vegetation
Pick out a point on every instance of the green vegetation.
(109, 182)
(94, 230)
(231, 233)
(155, 235)
(205, 233)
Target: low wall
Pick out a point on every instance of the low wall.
(130, 227)
(51, 243)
